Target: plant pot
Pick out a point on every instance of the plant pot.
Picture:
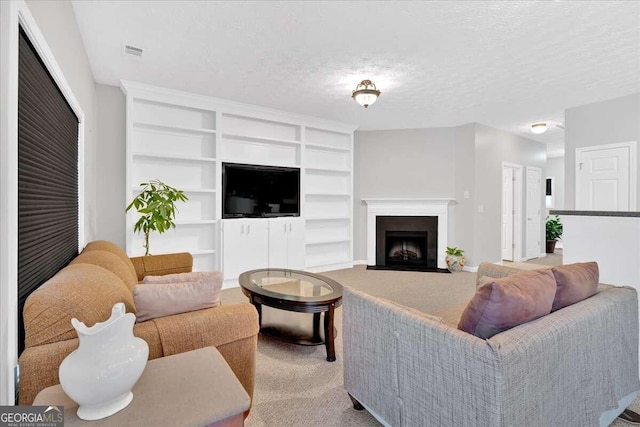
(454, 263)
(551, 246)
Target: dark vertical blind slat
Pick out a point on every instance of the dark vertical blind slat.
(47, 178)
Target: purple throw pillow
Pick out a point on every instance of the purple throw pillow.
(575, 283)
(504, 303)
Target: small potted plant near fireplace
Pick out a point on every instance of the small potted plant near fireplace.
(554, 232)
(454, 259)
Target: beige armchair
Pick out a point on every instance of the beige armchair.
(103, 275)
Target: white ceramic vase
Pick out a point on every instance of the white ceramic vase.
(100, 374)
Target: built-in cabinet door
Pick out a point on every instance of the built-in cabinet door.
(296, 244)
(245, 246)
(278, 253)
(286, 243)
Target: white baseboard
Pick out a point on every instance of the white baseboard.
(330, 267)
(230, 283)
(542, 255)
(470, 269)
(360, 262)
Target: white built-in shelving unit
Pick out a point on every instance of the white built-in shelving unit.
(183, 139)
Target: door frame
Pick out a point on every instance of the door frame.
(517, 207)
(633, 168)
(541, 249)
(15, 14)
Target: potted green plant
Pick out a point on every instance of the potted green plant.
(454, 259)
(156, 205)
(554, 232)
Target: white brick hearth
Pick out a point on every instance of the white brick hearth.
(407, 207)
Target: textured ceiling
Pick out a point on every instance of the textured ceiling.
(503, 64)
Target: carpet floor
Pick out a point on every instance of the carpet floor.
(296, 386)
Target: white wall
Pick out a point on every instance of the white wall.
(462, 221)
(492, 147)
(58, 24)
(611, 121)
(444, 162)
(555, 169)
(415, 163)
(111, 169)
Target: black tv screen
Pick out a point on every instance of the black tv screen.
(259, 191)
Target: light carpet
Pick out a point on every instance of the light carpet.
(296, 386)
(535, 263)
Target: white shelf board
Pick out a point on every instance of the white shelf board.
(259, 139)
(199, 190)
(314, 194)
(195, 221)
(202, 252)
(327, 241)
(146, 125)
(328, 148)
(332, 170)
(264, 162)
(137, 189)
(327, 218)
(174, 157)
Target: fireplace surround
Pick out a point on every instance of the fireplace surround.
(438, 209)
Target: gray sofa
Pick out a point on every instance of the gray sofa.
(577, 366)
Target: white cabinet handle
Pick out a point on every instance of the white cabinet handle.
(248, 228)
(289, 227)
(242, 229)
(285, 227)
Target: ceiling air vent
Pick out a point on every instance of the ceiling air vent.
(132, 50)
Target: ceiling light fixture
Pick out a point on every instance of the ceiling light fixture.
(366, 93)
(538, 128)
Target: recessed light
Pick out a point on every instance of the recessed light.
(538, 128)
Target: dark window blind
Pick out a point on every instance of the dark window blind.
(47, 177)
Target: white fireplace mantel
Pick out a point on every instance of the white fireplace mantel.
(407, 207)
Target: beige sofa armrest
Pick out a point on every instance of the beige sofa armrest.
(159, 265)
(211, 327)
(39, 367)
(232, 329)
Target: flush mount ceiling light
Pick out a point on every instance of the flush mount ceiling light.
(365, 93)
(538, 128)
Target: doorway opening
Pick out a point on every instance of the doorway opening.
(511, 241)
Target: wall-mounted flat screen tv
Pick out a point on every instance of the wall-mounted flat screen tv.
(259, 191)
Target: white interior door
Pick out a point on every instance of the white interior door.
(603, 178)
(507, 213)
(533, 230)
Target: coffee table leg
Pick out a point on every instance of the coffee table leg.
(316, 326)
(329, 334)
(258, 307)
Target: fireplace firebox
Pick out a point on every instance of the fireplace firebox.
(406, 248)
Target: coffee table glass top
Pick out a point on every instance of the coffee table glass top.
(292, 283)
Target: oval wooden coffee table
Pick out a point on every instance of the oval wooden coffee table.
(299, 291)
